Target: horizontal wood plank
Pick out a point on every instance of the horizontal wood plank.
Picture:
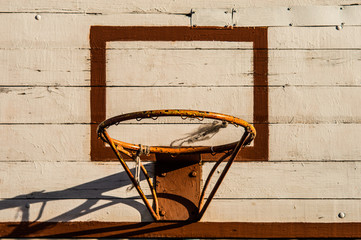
(289, 104)
(71, 30)
(69, 180)
(162, 6)
(314, 38)
(245, 180)
(71, 142)
(183, 67)
(122, 210)
(66, 210)
(291, 210)
(217, 64)
(47, 32)
(289, 180)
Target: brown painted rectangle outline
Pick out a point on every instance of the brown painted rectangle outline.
(100, 35)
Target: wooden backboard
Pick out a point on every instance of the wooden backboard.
(291, 70)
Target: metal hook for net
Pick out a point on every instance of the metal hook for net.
(138, 119)
(155, 118)
(184, 117)
(200, 119)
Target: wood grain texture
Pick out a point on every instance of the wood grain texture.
(70, 142)
(45, 169)
(290, 180)
(51, 32)
(87, 6)
(314, 38)
(246, 181)
(310, 104)
(122, 210)
(36, 67)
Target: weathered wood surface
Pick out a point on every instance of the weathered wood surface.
(132, 210)
(313, 192)
(310, 104)
(247, 180)
(36, 67)
(46, 33)
(70, 142)
(163, 6)
(314, 91)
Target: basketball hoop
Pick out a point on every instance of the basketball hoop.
(134, 151)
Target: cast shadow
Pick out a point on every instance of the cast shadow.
(98, 190)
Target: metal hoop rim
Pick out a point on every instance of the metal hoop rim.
(182, 113)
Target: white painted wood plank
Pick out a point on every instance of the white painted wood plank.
(52, 31)
(49, 67)
(314, 38)
(72, 104)
(180, 67)
(45, 142)
(178, 45)
(314, 105)
(298, 16)
(326, 142)
(289, 180)
(293, 210)
(45, 105)
(71, 180)
(67, 210)
(237, 101)
(76, 191)
(162, 6)
(71, 30)
(123, 210)
(245, 180)
(314, 67)
(224, 63)
(289, 104)
(295, 142)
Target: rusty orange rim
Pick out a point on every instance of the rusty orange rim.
(200, 115)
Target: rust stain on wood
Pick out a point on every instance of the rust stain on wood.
(100, 35)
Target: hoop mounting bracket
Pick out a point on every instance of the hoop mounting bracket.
(178, 186)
